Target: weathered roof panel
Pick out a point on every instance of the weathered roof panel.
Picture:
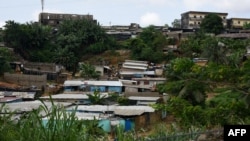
(90, 82)
(128, 112)
(143, 98)
(28, 106)
(70, 96)
(94, 108)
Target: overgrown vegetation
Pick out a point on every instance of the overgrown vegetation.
(50, 124)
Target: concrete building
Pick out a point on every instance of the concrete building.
(53, 19)
(237, 23)
(192, 19)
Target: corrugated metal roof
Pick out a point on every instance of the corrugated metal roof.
(143, 98)
(134, 73)
(145, 102)
(135, 64)
(145, 108)
(9, 99)
(94, 108)
(118, 110)
(136, 61)
(30, 95)
(138, 86)
(128, 112)
(73, 83)
(91, 82)
(104, 83)
(151, 79)
(71, 96)
(132, 110)
(30, 105)
(66, 96)
(134, 67)
(87, 116)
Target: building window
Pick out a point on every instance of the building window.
(194, 16)
(199, 22)
(238, 22)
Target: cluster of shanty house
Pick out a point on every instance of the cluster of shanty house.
(136, 80)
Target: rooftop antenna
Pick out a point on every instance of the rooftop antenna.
(41, 18)
(42, 2)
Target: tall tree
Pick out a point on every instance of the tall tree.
(185, 80)
(215, 51)
(27, 38)
(150, 42)
(80, 37)
(212, 23)
(176, 23)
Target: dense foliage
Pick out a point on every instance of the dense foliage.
(149, 43)
(212, 23)
(66, 45)
(185, 80)
(32, 41)
(5, 58)
(226, 70)
(87, 71)
(59, 125)
(246, 26)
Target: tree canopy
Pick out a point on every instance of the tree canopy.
(212, 23)
(66, 44)
(149, 43)
(77, 38)
(176, 23)
(246, 26)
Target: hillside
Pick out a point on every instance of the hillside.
(110, 57)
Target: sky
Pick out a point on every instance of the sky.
(121, 12)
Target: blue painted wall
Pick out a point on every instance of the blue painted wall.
(115, 89)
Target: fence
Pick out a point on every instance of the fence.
(26, 80)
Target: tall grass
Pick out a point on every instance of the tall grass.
(60, 126)
(132, 135)
(8, 130)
